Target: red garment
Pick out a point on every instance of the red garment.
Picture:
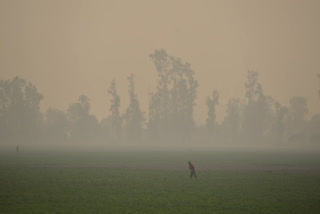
(191, 166)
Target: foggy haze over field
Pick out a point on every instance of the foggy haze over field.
(166, 73)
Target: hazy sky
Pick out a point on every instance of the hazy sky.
(72, 47)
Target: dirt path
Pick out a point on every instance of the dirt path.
(181, 167)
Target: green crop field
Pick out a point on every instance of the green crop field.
(158, 182)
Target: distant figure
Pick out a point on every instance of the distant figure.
(192, 170)
(17, 149)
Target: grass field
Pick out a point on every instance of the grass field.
(158, 182)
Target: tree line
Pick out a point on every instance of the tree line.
(254, 119)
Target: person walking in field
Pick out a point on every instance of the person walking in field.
(192, 170)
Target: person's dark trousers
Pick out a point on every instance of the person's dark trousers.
(193, 174)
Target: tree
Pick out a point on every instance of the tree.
(256, 111)
(158, 107)
(299, 108)
(182, 94)
(231, 125)
(56, 126)
(80, 109)
(84, 127)
(20, 117)
(171, 106)
(134, 117)
(279, 127)
(114, 108)
(313, 129)
(212, 102)
(297, 112)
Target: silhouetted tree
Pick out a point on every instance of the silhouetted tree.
(279, 128)
(298, 107)
(256, 110)
(158, 107)
(171, 106)
(211, 122)
(134, 117)
(297, 124)
(115, 114)
(84, 127)
(231, 125)
(20, 117)
(313, 128)
(56, 126)
(107, 133)
(182, 102)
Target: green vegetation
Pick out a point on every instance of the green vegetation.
(29, 186)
